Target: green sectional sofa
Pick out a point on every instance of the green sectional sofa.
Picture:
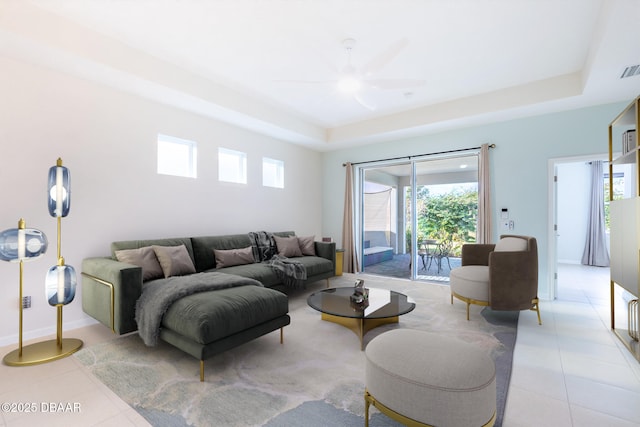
(246, 303)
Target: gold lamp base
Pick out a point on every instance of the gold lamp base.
(43, 352)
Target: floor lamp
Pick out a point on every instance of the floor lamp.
(60, 281)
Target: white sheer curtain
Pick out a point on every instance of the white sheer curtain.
(484, 197)
(595, 250)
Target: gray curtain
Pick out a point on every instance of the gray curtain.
(595, 250)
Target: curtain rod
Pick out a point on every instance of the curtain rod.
(420, 155)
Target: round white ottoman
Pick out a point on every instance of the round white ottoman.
(424, 378)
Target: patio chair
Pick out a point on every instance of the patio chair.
(426, 251)
(442, 251)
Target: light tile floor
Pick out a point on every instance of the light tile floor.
(571, 371)
(30, 391)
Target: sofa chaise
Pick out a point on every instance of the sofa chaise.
(237, 299)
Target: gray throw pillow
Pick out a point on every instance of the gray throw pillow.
(307, 245)
(288, 246)
(144, 257)
(174, 260)
(229, 257)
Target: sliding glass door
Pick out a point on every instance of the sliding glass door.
(446, 213)
(415, 215)
(384, 249)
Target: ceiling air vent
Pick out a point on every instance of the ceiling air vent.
(630, 71)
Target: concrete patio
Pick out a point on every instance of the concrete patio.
(399, 267)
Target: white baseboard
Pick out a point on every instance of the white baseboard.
(46, 332)
(569, 261)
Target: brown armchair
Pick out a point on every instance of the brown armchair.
(503, 276)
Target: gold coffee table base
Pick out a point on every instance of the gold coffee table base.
(360, 326)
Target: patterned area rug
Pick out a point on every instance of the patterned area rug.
(316, 378)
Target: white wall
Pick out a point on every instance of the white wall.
(108, 141)
(519, 165)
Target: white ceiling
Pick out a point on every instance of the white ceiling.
(248, 62)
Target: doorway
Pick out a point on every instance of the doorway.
(569, 187)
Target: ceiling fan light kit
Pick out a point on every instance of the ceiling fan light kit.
(349, 84)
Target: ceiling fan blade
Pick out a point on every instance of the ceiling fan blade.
(391, 84)
(385, 57)
(362, 102)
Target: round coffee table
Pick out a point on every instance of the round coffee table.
(382, 307)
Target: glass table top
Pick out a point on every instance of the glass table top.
(381, 303)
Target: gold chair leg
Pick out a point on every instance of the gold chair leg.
(366, 409)
(281, 335)
(536, 307)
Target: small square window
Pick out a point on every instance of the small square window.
(177, 156)
(272, 173)
(232, 166)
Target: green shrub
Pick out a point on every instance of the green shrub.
(450, 218)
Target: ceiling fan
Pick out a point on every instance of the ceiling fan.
(354, 81)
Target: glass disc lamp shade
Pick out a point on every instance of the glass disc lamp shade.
(22, 244)
(60, 284)
(59, 190)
